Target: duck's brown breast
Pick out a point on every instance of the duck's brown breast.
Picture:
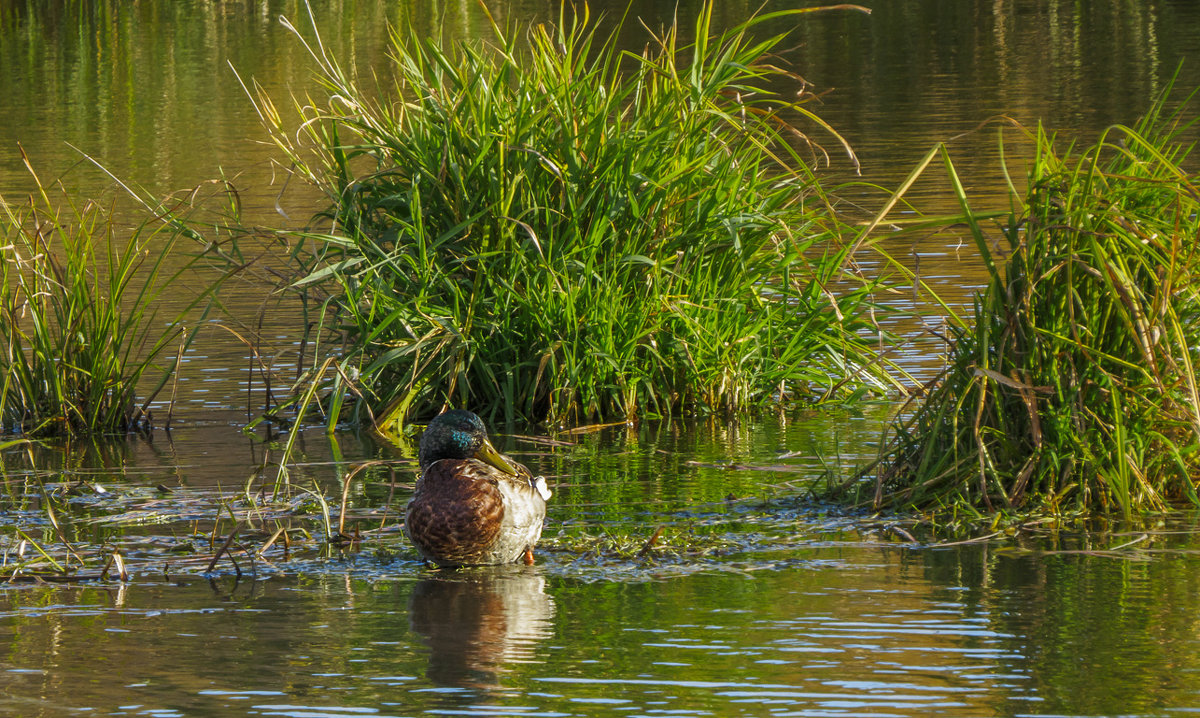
(456, 511)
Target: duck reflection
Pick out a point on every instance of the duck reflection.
(476, 621)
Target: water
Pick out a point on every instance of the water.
(751, 601)
(866, 629)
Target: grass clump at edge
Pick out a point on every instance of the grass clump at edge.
(83, 350)
(564, 231)
(1075, 387)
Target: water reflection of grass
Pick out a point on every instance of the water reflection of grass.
(92, 525)
(613, 493)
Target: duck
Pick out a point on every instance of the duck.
(472, 505)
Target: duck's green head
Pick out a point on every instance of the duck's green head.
(459, 434)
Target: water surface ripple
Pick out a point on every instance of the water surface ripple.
(882, 633)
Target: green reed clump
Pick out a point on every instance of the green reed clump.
(1076, 385)
(555, 229)
(80, 330)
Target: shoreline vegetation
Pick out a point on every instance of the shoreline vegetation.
(551, 230)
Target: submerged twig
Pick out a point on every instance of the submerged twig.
(237, 527)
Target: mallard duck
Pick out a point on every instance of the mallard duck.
(472, 505)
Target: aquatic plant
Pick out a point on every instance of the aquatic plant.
(558, 230)
(83, 348)
(1075, 386)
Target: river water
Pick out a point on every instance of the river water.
(750, 601)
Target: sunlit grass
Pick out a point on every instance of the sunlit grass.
(84, 348)
(548, 228)
(1075, 385)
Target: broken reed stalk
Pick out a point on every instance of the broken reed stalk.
(224, 549)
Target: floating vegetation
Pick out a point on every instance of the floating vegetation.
(1075, 387)
(558, 230)
(77, 525)
(83, 349)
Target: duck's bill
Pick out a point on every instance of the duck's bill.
(488, 454)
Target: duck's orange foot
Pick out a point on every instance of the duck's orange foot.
(528, 557)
